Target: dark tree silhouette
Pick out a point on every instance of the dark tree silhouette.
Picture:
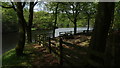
(22, 24)
(29, 25)
(103, 20)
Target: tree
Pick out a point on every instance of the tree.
(18, 7)
(104, 17)
(117, 16)
(89, 11)
(72, 10)
(116, 35)
(43, 20)
(22, 23)
(54, 7)
(55, 15)
(29, 25)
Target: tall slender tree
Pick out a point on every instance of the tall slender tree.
(55, 15)
(54, 7)
(72, 10)
(89, 11)
(29, 25)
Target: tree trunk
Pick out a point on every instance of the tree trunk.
(53, 32)
(88, 24)
(117, 48)
(101, 28)
(55, 20)
(21, 42)
(75, 25)
(29, 33)
(22, 23)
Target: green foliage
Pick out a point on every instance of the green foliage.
(9, 20)
(63, 21)
(116, 24)
(66, 13)
(26, 14)
(42, 19)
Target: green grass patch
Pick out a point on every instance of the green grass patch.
(10, 59)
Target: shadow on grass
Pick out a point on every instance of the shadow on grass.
(9, 59)
(35, 57)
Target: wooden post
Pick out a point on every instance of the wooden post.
(35, 38)
(49, 45)
(43, 39)
(39, 39)
(61, 54)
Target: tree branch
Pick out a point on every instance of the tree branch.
(13, 6)
(23, 4)
(35, 3)
(69, 16)
(6, 7)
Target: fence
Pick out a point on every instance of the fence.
(60, 50)
(41, 38)
(55, 46)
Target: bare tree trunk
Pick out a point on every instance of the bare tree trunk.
(53, 32)
(75, 25)
(21, 42)
(29, 33)
(22, 23)
(88, 24)
(101, 28)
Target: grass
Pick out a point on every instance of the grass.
(10, 59)
(34, 56)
